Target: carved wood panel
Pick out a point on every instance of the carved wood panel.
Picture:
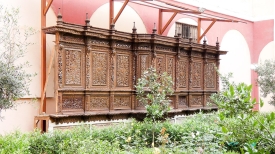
(104, 65)
(210, 75)
(196, 74)
(196, 101)
(73, 67)
(170, 66)
(182, 74)
(182, 101)
(72, 39)
(123, 70)
(72, 103)
(139, 105)
(208, 102)
(97, 103)
(122, 102)
(144, 63)
(160, 63)
(99, 67)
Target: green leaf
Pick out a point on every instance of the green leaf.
(255, 123)
(224, 129)
(272, 116)
(261, 103)
(231, 90)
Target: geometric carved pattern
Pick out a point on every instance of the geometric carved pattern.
(100, 42)
(140, 104)
(60, 68)
(196, 54)
(182, 74)
(196, 75)
(98, 103)
(208, 101)
(210, 56)
(144, 47)
(99, 68)
(72, 102)
(196, 100)
(123, 70)
(209, 75)
(182, 101)
(160, 65)
(122, 102)
(123, 45)
(88, 64)
(143, 63)
(170, 66)
(73, 39)
(164, 48)
(73, 67)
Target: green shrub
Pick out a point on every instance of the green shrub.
(195, 134)
(15, 143)
(243, 130)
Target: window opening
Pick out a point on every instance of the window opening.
(187, 31)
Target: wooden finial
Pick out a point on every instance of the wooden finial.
(134, 28)
(154, 29)
(217, 44)
(112, 26)
(204, 40)
(59, 17)
(87, 21)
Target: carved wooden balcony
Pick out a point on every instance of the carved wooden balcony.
(96, 70)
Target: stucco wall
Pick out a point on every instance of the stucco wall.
(22, 117)
(237, 60)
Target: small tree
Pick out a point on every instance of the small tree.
(266, 79)
(152, 90)
(14, 80)
(233, 99)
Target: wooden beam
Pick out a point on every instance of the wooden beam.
(47, 79)
(168, 22)
(221, 20)
(160, 21)
(43, 54)
(179, 11)
(120, 11)
(48, 6)
(168, 2)
(111, 12)
(199, 30)
(213, 22)
(43, 61)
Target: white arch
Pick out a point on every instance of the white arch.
(100, 18)
(267, 53)
(237, 60)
